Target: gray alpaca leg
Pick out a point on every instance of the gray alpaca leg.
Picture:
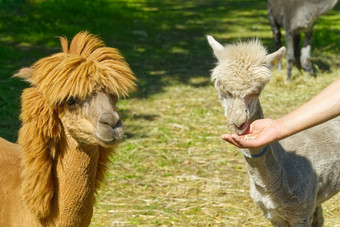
(317, 217)
(275, 27)
(297, 53)
(306, 54)
(290, 54)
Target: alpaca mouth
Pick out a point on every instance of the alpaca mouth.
(243, 129)
(110, 135)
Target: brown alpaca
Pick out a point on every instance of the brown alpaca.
(69, 128)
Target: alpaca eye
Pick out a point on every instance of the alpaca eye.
(226, 93)
(71, 101)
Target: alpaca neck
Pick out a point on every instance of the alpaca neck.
(75, 173)
(264, 170)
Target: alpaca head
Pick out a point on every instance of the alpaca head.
(72, 99)
(81, 86)
(239, 77)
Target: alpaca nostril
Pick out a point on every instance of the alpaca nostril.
(109, 119)
(242, 126)
(119, 124)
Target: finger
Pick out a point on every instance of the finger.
(228, 138)
(239, 141)
(236, 140)
(251, 142)
(233, 139)
(246, 141)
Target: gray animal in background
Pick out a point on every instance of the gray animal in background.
(290, 179)
(296, 17)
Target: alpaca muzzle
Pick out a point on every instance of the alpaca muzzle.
(110, 128)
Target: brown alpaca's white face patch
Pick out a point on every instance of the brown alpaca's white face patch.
(94, 120)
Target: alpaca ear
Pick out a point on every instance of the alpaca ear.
(40, 134)
(274, 58)
(25, 73)
(216, 46)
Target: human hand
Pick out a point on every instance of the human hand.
(261, 133)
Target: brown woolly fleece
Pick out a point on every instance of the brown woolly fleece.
(49, 178)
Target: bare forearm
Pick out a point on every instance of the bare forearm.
(324, 106)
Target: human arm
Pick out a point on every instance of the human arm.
(323, 107)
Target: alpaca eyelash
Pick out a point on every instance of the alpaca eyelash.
(71, 101)
(251, 96)
(226, 93)
(114, 98)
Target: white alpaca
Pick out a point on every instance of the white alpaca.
(290, 179)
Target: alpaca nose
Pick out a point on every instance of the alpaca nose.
(240, 126)
(110, 119)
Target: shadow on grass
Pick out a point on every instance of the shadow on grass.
(164, 41)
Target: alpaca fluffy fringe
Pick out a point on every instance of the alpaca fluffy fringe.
(240, 68)
(86, 66)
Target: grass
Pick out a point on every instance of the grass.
(172, 168)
